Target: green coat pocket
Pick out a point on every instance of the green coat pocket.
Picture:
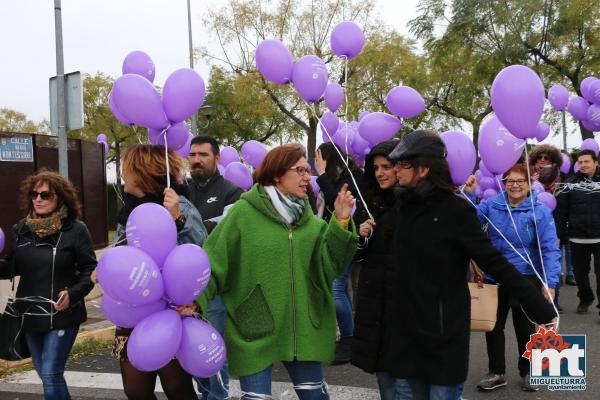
(253, 317)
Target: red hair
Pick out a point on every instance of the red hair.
(518, 169)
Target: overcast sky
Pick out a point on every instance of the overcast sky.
(98, 34)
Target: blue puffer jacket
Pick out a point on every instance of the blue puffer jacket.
(525, 241)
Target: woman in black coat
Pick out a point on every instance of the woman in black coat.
(376, 251)
(427, 316)
(52, 252)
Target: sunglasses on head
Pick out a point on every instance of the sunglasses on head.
(45, 195)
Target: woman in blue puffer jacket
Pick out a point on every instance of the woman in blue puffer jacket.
(527, 239)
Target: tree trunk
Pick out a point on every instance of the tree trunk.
(476, 124)
(118, 165)
(312, 139)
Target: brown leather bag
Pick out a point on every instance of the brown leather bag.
(484, 302)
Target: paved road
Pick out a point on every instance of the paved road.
(96, 377)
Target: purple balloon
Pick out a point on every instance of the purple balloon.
(362, 114)
(202, 351)
(593, 114)
(484, 170)
(310, 78)
(518, 98)
(489, 193)
(585, 87)
(105, 148)
(2, 240)
(498, 148)
(347, 39)
(221, 169)
(594, 92)
(461, 155)
(578, 107)
(138, 101)
(254, 152)
(590, 126)
(330, 123)
(183, 94)
(333, 96)
(558, 95)
(547, 199)
(237, 173)
(127, 315)
(344, 137)
(405, 102)
(186, 273)
(378, 127)
(487, 182)
(129, 275)
(590, 144)
(542, 131)
(274, 61)
(359, 145)
(566, 164)
(177, 135)
(139, 63)
(184, 151)
(101, 138)
(155, 341)
(115, 112)
(316, 189)
(227, 155)
(538, 187)
(150, 227)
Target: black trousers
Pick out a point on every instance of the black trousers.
(523, 330)
(581, 256)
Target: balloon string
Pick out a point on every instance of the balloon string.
(346, 102)
(311, 107)
(164, 133)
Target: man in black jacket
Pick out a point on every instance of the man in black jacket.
(211, 193)
(578, 218)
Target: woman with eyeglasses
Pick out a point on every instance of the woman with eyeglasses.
(273, 263)
(523, 230)
(53, 254)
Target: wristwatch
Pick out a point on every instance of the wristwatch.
(180, 222)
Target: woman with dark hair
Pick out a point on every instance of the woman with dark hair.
(145, 177)
(428, 312)
(522, 229)
(376, 249)
(273, 264)
(333, 174)
(53, 254)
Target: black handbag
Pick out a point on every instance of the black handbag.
(13, 346)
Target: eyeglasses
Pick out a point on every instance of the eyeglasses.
(404, 164)
(518, 182)
(45, 195)
(543, 157)
(301, 170)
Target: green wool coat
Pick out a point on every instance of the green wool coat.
(275, 283)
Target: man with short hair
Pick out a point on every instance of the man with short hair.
(211, 193)
(578, 219)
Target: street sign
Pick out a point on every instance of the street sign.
(16, 148)
(73, 101)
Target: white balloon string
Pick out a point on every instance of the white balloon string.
(314, 112)
(164, 132)
(346, 101)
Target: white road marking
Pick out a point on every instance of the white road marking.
(91, 380)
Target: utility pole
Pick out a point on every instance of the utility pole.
(63, 161)
(194, 122)
(564, 126)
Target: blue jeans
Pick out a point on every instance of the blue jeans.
(391, 388)
(343, 304)
(49, 351)
(212, 388)
(424, 391)
(566, 250)
(307, 377)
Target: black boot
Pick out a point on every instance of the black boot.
(343, 351)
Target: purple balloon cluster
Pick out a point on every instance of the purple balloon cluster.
(584, 108)
(141, 283)
(133, 100)
(234, 170)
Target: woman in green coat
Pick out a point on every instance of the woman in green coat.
(273, 263)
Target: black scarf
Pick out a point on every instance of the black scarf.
(131, 201)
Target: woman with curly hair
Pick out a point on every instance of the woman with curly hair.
(52, 252)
